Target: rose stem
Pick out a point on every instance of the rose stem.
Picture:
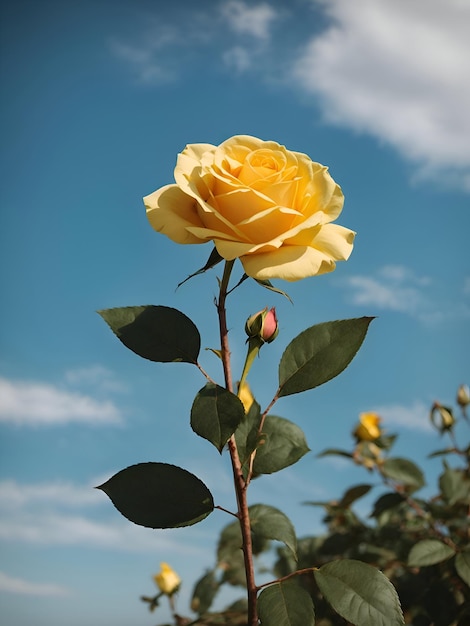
(239, 481)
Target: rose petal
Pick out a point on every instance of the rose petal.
(335, 241)
(170, 211)
(289, 263)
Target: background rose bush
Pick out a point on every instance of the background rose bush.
(257, 201)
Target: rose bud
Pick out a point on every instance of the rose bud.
(368, 428)
(263, 325)
(167, 580)
(442, 417)
(463, 396)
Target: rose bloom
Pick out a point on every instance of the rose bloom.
(257, 201)
(368, 428)
(167, 580)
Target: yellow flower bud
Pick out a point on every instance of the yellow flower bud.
(167, 580)
(245, 395)
(463, 396)
(368, 428)
(442, 417)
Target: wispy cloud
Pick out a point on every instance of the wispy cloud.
(28, 403)
(235, 31)
(245, 19)
(414, 417)
(414, 97)
(24, 587)
(144, 61)
(67, 514)
(394, 288)
(96, 376)
(238, 58)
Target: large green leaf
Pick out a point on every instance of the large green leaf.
(405, 472)
(216, 414)
(462, 565)
(159, 495)
(282, 443)
(360, 593)
(270, 523)
(429, 552)
(157, 333)
(320, 353)
(285, 604)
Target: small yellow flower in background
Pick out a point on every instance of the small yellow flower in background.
(368, 428)
(245, 395)
(463, 396)
(167, 580)
(257, 201)
(442, 417)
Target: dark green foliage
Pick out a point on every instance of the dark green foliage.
(157, 333)
(159, 495)
(320, 353)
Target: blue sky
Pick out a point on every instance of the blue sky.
(98, 99)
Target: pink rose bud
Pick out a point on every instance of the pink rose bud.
(263, 325)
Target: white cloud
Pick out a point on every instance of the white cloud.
(41, 404)
(395, 288)
(244, 19)
(14, 495)
(414, 417)
(25, 587)
(397, 70)
(144, 62)
(97, 375)
(46, 514)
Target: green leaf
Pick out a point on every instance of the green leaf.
(385, 503)
(360, 593)
(285, 604)
(282, 443)
(157, 333)
(462, 565)
(429, 552)
(353, 494)
(320, 353)
(405, 472)
(246, 436)
(455, 486)
(204, 593)
(216, 414)
(441, 452)
(335, 452)
(268, 285)
(270, 523)
(159, 495)
(214, 259)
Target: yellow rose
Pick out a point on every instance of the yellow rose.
(167, 580)
(257, 201)
(368, 428)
